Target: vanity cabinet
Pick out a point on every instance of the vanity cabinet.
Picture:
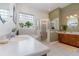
(70, 39)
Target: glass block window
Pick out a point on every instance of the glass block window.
(4, 15)
(23, 18)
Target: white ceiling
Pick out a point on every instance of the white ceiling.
(45, 7)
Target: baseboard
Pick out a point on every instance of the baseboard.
(53, 42)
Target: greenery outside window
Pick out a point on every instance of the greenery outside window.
(26, 20)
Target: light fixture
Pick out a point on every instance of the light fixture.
(71, 16)
(67, 17)
(75, 15)
(49, 9)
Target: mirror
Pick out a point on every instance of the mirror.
(6, 18)
(72, 22)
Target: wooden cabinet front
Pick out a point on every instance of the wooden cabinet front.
(69, 39)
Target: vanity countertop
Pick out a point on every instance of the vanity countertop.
(23, 45)
(74, 33)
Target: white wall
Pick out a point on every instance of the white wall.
(26, 9)
(4, 6)
(6, 28)
(9, 25)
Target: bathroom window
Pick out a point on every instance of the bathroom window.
(72, 22)
(4, 15)
(25, 18)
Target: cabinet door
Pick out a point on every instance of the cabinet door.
(77, 40)
(60, 36)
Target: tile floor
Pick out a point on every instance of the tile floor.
(60, 49)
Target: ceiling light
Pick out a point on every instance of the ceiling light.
(71, 16)
(49, 9)
(75, 15)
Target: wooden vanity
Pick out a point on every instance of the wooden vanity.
(69, 38)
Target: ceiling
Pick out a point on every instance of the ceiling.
(45, 7)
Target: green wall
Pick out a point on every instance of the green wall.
(66, 11)
(55, 14)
